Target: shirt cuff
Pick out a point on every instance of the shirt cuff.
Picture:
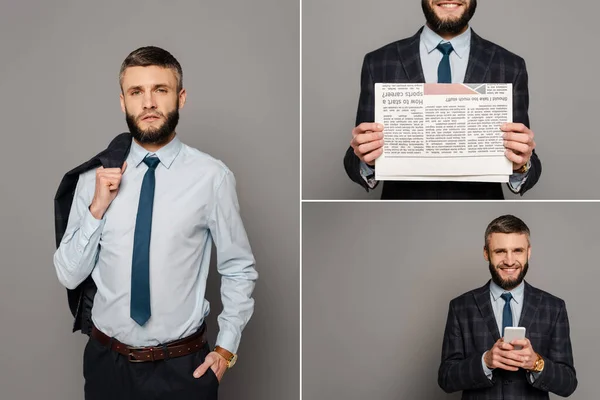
(228, 341)
(89, 226)
(488, 372)
(368, 174)
(516, 180)
(533, 376)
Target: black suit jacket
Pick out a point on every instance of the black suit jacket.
(471, 330)
(82, 297)
(400, 62)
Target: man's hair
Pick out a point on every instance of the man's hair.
(151, 55)
(506, 224)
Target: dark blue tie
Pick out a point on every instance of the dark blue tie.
(140, 268)
(444, 74)
(507, 318)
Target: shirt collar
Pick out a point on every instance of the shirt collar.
(460, 43)
(166, 154)
(517, 292)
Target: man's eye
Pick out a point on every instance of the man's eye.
(135, 92)
(162, 90)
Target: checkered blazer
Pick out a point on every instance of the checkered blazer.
(81, 298)
(400, 62)
(471, 330)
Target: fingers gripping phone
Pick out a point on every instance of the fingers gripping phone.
(514, 333)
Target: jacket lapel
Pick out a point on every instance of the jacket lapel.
(410, 58)
(480, 59)
(482, 299)
(531, 301)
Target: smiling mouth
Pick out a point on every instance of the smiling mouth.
(510, 270)
(449, 6)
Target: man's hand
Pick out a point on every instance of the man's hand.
(502, 355)
(519, 143)
(107, 187)
(527, 354)
(216, 362)
(367, 142)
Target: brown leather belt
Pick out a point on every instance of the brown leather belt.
(177, 348)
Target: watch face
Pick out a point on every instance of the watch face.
(232, 361)
(539, 365)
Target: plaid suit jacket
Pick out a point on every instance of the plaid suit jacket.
(400, 62)
(81, 298)
(471, 330)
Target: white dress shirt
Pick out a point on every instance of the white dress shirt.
(195, 203)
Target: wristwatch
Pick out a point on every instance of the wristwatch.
(539, 364)
(524, 168)
(227, 355)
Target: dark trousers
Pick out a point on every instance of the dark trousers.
(110, 376)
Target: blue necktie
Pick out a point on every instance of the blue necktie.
(140, 267)
(507, 318)
(444, 74)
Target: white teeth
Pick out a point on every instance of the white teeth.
(449, 5)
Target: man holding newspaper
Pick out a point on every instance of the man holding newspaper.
(445, 50)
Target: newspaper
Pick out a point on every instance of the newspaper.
(443, 131)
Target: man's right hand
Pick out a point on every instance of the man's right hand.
(501, 356)
(367, 142)
(107, 187)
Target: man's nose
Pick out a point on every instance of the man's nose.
(149, 101)
(509, 259)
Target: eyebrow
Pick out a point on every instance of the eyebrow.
(504, 249)
(158, 85)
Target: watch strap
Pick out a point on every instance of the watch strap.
(226, 354)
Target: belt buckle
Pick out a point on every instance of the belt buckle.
(131, 358)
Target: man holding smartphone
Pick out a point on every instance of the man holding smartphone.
(476, 359)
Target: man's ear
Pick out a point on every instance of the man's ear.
(182, 98)
(122, 100)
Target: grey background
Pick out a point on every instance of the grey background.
(555, 41)
(60, 106)
(377, 279)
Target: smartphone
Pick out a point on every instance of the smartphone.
(514, 333)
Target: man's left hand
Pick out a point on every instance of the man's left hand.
(519, 143)
(528, 355)
(214, 361)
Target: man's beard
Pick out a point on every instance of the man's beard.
(153, 135)
(448, 26)
(505, 283)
